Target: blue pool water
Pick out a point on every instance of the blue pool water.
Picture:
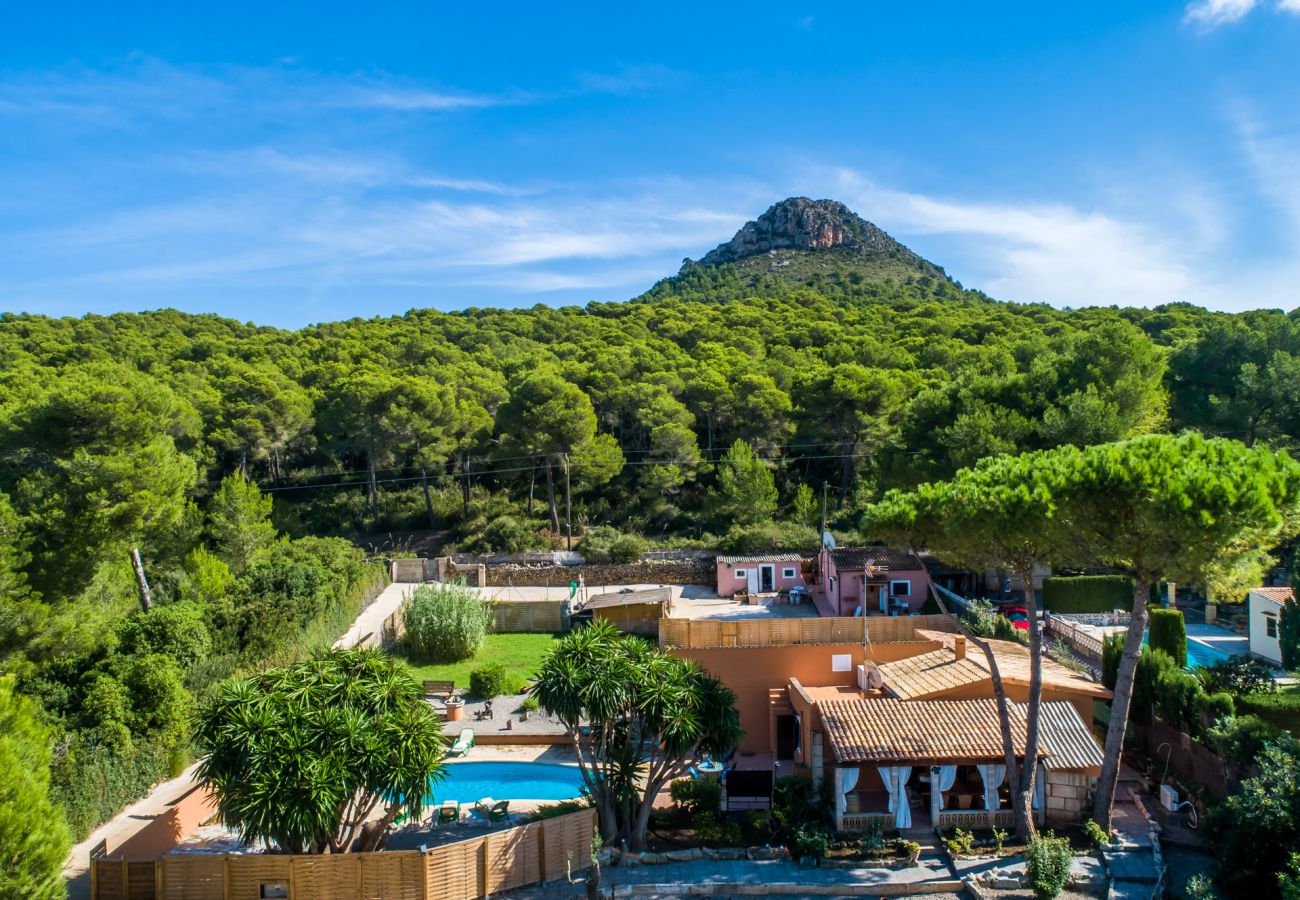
(471, 781)
(1201, 655)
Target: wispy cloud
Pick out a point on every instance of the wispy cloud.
(1208, 15)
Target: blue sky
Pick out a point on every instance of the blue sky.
(290, 163)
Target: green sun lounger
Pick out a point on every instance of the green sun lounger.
(493, 810)
(449, 811)
(463, 743)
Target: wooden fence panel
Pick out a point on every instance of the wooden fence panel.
(109, 878)
(454, 870)
(524, 616)
(786, 632)
(513, 858)
(333, 877)
(197, 877)
(566, 844)
(396, 875)
(245, 875)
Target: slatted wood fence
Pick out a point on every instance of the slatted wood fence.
(472, 868)
(704, 633)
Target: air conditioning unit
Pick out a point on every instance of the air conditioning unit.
(1168, 797)
(869, 677)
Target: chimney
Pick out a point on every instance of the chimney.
(959, 647)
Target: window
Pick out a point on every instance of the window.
(740, 573)
(841, 662)
(787, 573)
(1270, 626)
(901, 588)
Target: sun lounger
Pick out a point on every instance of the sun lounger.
(493, 810)
(463, 743)
(449, 811)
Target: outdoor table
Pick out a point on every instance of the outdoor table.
(711, 769)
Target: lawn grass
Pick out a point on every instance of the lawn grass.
(519, 653)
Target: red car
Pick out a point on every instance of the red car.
(1017, 616)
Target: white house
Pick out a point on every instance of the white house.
(1265, 605)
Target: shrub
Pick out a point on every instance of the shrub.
(1282, 710)
(1168, 632)
(489, 680)
(1154, 669)
(1238, 675)
(1095, 834)
(178, 630)
(873, 838)
(1255, 829)
(797, 800)
(1088, 594)
(1200, 887)
(810, 841)
(712, 830)
(1112, 650)
(505, 534)
(1288, 633)
(529, 704)
(697, 796)
(604, 544)
(1215, 708)
(1047, 863)
(1179, 698)
(444, 623)
(1243, 737)
(961, 843)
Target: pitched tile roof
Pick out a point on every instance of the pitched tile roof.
(1280, 594)
(762, 558)
(951, 731)
(852, 558)
(629, 598)
(939, 671)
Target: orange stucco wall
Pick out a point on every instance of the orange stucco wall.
(729, 584)
(163, 832)
(753, 671)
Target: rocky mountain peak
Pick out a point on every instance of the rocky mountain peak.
(802, 224)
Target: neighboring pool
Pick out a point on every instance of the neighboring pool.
(470, 781)
(1201, 655)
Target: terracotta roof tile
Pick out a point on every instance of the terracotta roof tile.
(951, 731)
(1280, 594)
(939, 671)
(762, 558)
(853, 558)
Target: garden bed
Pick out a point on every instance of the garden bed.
(520, 654)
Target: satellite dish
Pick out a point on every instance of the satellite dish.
(828, 540)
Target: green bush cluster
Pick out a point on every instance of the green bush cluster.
(1278, 709)
(1161, 688)
(1047, 864)
(1167, 631)
(605, 544)
(697, 796)
(1087, 594)
(492, 680)
(444, 623)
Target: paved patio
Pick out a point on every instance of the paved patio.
(724, 609)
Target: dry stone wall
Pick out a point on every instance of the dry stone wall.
(674, 571)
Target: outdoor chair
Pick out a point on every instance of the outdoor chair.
(463, 743)
(449, 811)
(493, 810)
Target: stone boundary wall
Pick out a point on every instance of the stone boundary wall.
(680, 571)
(1189, 760)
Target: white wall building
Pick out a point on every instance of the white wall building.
(1265, 606)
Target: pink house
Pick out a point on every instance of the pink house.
(765, 573)
(870, 581)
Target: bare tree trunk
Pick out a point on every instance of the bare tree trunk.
(428, 501)
(1004, 710)
(550, 498)
(464, 491)
(374, 484)
(1024, 798)
(532, 483)
(141, 583)
(1119, 707)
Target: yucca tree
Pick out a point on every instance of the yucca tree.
(302, 756)
(637, 716)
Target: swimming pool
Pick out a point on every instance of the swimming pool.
(470, 781)
(1201, 654)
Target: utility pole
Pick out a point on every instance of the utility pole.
(568, 507)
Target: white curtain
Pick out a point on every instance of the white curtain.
(993, 777)
(895, 779)
(798, 733)
(1040, 781)
(947, 777)
(839, 796)
(847, 786)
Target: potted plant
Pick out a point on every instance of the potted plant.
(913, 850)
(455, 708)
(528, 707)
(810, 845)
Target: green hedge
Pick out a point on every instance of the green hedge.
(1168, 632)
(1088, 594)
(1282, 710)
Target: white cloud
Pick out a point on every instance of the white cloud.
(1210, 14)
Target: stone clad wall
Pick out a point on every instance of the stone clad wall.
(1066, 795)
(674, 571)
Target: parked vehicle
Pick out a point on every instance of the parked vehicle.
(1017, 616)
